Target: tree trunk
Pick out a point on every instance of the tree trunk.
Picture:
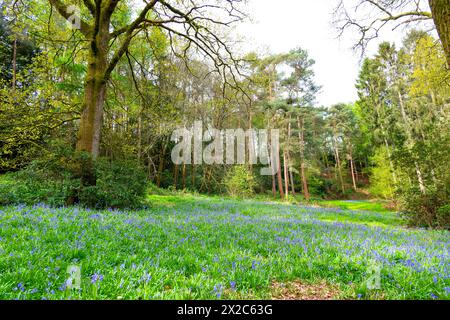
(274, 183)
(352, 168)
(338, 164)
(193, 175)
(301, 138)
(291, 178)
(279, 175)
(184, 176)
(422, 187)
(140, 136)
(161, 164)
(286, 176)
(94, 95)
(274, 186)
(175, 177)
(440, 10)
(14, 65)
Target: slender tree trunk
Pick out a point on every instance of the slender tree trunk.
(440, 10)
(161, 164)
(140, 136)
(338, 165)
(301, 137)
(14, 65)
(250, 140)
(274, 186)
(175, 176)
(288, 157)
(184, 176)
(291, 178)
(193, 175)
(274, 183)
(422, 187)
(286, 175)
(279, 175)
(352, 168)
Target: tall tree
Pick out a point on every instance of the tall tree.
(192, 22)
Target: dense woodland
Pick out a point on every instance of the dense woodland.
(87, 114)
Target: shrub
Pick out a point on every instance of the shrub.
(317, 186)
(119, 184)
(56, 180)
(427, 210)
(239, 182)
(31, 186)
(443, 217)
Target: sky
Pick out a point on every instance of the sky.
(282, 25)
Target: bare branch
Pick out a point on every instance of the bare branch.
(370, 17)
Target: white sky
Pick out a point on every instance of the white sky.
(282, 25)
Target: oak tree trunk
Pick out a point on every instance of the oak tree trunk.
(440, 10)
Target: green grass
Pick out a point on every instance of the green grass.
(365, 205)
(189, 247)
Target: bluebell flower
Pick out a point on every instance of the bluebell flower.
(96, 278)
(218, 290)
(21, 287)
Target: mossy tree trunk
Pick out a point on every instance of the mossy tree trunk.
(440, 10)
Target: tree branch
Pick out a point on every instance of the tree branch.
(62, 9)
(128, 37)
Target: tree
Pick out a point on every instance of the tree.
(191, 22)
(369, 17)
(301, 91)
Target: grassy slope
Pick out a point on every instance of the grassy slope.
(187, 247)
(365, 205)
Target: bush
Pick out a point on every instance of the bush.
(443, 217)
(57, 181)
(31, 186)
(427, 210)
(239, 182)
(317, 186)
(120, 184)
